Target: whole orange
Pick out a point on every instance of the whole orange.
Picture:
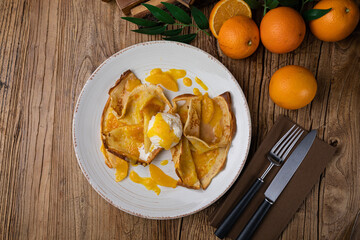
(337, 24)
(292, 87)
(239, 37)
(282, 30)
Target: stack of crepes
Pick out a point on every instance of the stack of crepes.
(208, 128)
(125, 119)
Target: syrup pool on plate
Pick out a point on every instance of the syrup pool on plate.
(161, 178)
(187, 81)
(197, 92)
(147, 182)
(201, 83)
(167, 79)
(164, 162)
(158, 177)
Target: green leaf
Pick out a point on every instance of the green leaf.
(178, 13)
(200, 18)
(159, 14)
(289, 3)
(253, 4)
(151, 30)
(271, 4)
(313, 14)
(172, 32)
(182, 38)
(141, 22)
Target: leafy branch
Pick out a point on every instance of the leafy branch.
(164, 20)
(308, 15)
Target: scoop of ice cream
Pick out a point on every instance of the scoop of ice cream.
(165, 130)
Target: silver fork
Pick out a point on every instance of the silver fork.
(276, 156)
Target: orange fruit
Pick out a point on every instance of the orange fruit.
(292, 87)
(282, 30)
(337, 24)
(239, 37)
(225, 10)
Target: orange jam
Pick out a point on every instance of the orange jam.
(167, 79)
(164, 162)
(161, 178)
(201, 83)
(216, 121)
(187, 82)
(162, 130)
(122, 168)
(196, 92)
(207, 108)
(147, 182)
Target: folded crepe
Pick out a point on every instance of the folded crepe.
(126, 116)
(184, 165)
(209, 126)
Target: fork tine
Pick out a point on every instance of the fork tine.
(285, 141)
(292, 142)
(292, 145)
(282, 139)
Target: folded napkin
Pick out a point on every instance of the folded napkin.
(290, 199)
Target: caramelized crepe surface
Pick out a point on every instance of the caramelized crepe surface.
(126, 116)
(209, 126)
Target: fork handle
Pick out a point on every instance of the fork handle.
(255, 221)
(230, 220)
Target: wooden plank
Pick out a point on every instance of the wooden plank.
(94, 217)
(30, 112)
(10, 114)
(339, 195)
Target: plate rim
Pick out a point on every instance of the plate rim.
(75, 116)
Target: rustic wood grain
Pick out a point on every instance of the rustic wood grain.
(48, 49)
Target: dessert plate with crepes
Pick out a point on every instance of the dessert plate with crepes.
(128, 129)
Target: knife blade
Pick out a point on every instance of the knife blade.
(278, 184)
(289, 168)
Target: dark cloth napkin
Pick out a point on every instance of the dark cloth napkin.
(290, 199)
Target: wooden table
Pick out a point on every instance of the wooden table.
(48, 49)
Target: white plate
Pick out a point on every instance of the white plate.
(134, 198)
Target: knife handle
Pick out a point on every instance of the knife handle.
(230, 220)
(255, 221)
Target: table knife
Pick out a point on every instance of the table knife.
(278, 184)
